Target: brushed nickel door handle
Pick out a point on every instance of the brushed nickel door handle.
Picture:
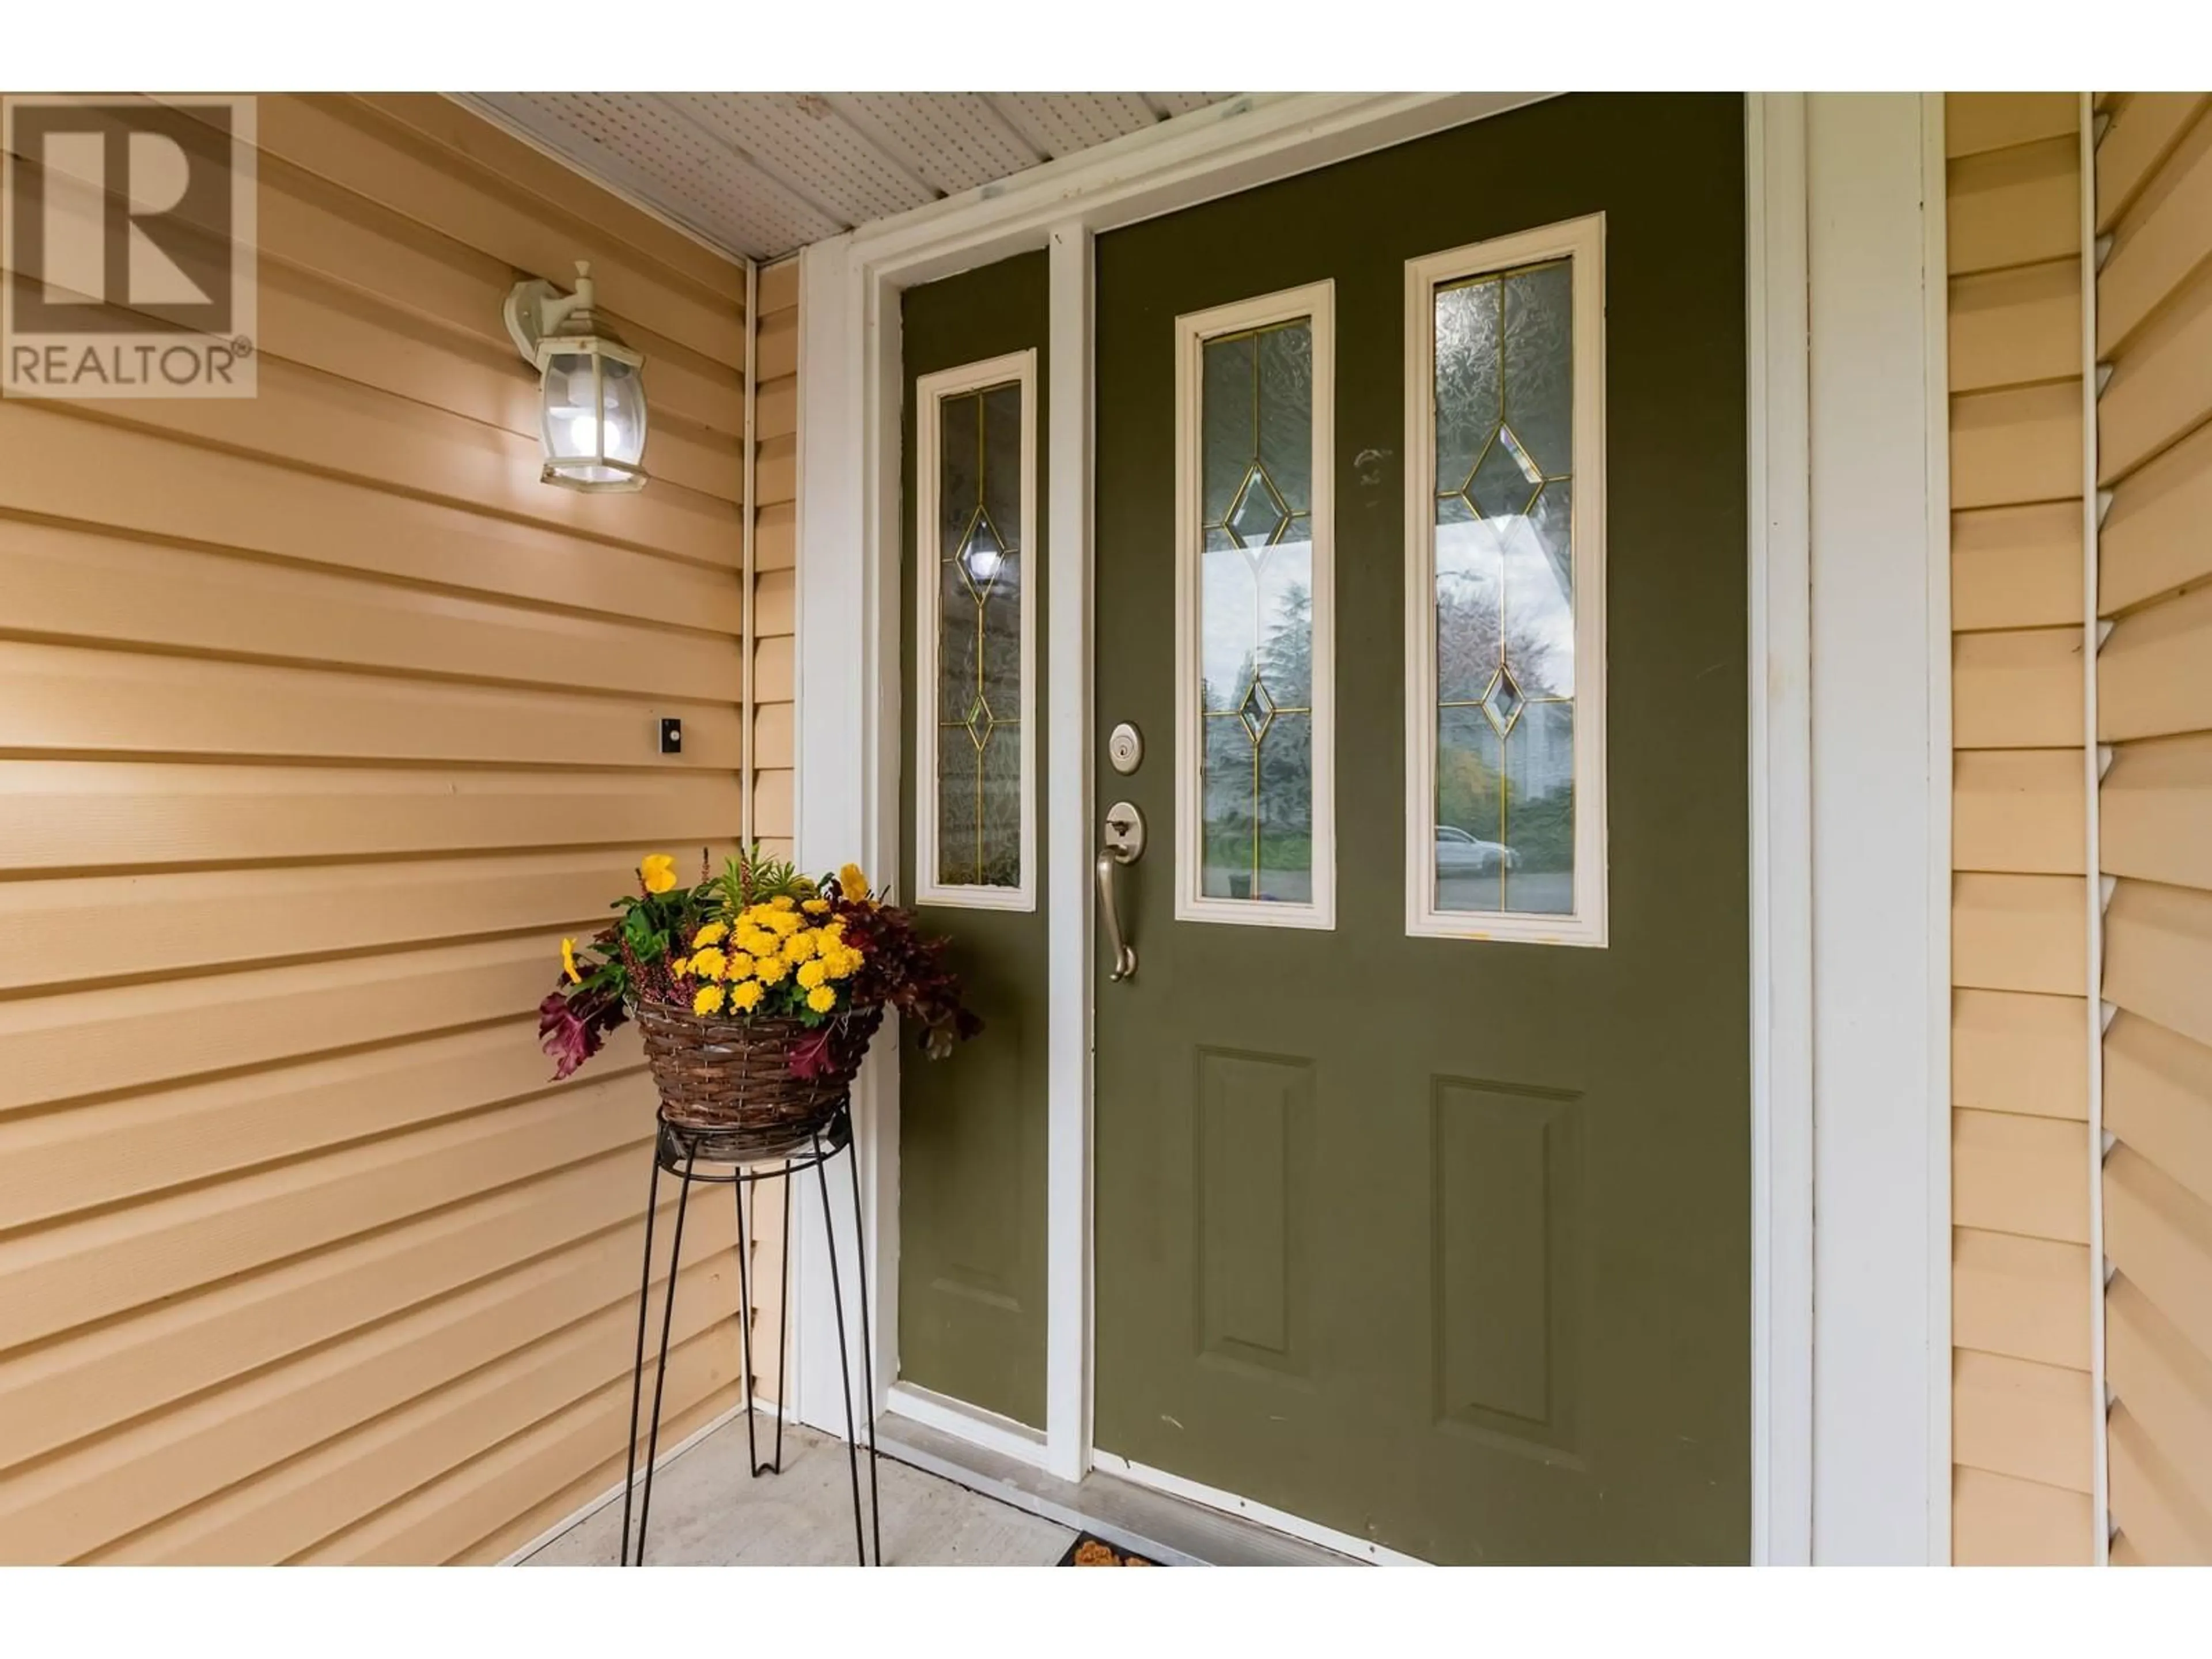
(1125, 844)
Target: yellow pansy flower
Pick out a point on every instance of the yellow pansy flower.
(708, 1001)
(742, 998)
(811, 974)
(568, 962)
(740, 966)
(815, 907)
(851, 882)
(772, 969)
(657, 872)
(822, 998)
(709, 963)
(713, 933)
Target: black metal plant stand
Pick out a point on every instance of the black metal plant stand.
(679, 1152)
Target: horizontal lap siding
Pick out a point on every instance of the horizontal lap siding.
(2154, 710)
(323, 721)
(775, 631)
(2022, 1418)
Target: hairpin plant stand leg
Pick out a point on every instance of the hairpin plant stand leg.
(668, 1146)
(774, 1465)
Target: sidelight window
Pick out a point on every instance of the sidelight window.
(976, 463)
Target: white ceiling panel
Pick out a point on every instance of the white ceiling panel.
(1062, 123)
(800, 138)
(762, 173)
(952, 139)
(637, 144)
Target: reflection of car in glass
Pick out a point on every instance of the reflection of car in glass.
(1459, 853)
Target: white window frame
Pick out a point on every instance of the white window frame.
(1315, 303)
(929, 393)
(1582, 241)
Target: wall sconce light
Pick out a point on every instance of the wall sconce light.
(591, 395)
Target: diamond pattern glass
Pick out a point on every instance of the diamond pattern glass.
(1504, 602)
(979, 683)
(1256, 614)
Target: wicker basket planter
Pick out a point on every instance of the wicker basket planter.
(727, 1083)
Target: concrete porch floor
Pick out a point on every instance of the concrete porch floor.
(706, 1512)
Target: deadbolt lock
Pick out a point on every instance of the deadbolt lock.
(1124, 749)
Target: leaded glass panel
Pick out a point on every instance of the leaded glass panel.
(1255, 615)
(978, 638)
(1505, 598)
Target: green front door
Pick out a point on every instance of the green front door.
(1422, 1153)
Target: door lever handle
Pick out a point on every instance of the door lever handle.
(1125, 844)
(1125, 954)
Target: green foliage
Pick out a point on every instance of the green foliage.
(753, 878)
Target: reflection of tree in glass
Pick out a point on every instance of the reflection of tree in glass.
(1282, 808)
(1468, 647)
(1474, 791)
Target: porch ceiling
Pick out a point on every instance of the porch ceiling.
(763, 173)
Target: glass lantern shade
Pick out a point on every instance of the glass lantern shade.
(591, 416)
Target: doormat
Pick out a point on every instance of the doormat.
(1089, 1551)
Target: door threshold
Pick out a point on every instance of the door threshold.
(1173, 1531)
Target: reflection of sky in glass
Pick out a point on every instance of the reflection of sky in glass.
(1471, 558)
(1238, 617)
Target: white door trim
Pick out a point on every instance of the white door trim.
(1781, 614)
(848, 701)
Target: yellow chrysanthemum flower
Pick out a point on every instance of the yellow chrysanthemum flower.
(568, 962)
(785, 922)
(822, 998)
(679, 966)
(811, 974)
(740, 966)
(844, 964)
(708, 1001)
(709, 963)
(783, 901)
(772, 970)
(851, 882)
(657, 872)
(713, 933)
(815, 907)
(743, 998)
(800, 947)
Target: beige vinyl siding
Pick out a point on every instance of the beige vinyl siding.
(323, 720)
(775, 555)
(2154, 711)
(2022, 1391)
(774, 627)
